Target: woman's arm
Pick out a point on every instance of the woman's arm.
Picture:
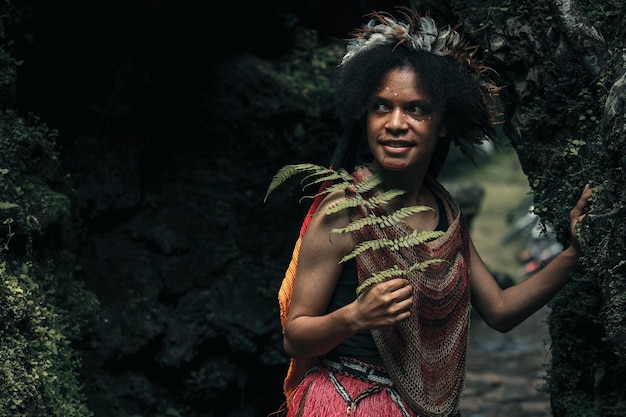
(309, 332)
(505, 309)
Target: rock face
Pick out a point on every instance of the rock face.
(165, 134)
(171, 234)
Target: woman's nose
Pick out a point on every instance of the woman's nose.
(397, 119)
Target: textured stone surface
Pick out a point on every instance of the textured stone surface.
(505, 371)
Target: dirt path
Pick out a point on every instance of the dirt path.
(505, 371)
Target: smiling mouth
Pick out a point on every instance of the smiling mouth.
(397, 149)
(394, 146)
(397, 144)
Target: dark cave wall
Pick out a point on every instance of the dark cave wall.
(162, 123)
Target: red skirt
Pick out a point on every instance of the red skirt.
(347, 387)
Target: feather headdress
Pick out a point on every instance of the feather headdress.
(418, 32)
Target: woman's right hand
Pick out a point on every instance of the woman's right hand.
(385, 304)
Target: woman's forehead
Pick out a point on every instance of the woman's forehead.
(401, 82)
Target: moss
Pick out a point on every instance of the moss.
(38, 372)
(29, 173)
(555, 117)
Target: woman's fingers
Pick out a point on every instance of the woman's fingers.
(577, 214)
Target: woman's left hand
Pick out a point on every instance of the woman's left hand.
(578, 213)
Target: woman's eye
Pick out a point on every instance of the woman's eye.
(417, 111)
(414, 111)
(381, 108)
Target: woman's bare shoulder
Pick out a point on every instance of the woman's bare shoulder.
(326, 221)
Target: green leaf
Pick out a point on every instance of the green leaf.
(395, 272)
(5, 205)
(411, 239)
(289, 171)
(383, 221)
(341, 181)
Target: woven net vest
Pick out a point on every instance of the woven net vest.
(425, 355)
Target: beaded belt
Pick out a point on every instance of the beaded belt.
(357, 369)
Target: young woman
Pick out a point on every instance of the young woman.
(398, 348)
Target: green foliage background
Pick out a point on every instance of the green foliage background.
(42, 308)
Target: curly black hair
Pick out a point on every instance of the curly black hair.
(455, 93)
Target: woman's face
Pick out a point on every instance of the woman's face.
(402, 128)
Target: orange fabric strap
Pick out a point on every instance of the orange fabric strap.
(297, 367)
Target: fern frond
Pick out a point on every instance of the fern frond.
(341, 180)
(383, 198)
(304, 197)
(383, 221)
(338, 186)
(422, 266)
(344, 203)
(395, 272)
(413, 239)
(379, 277)
(325, 174)
(289, 171)
(368, 184)
(346, 180)
(357, 200)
